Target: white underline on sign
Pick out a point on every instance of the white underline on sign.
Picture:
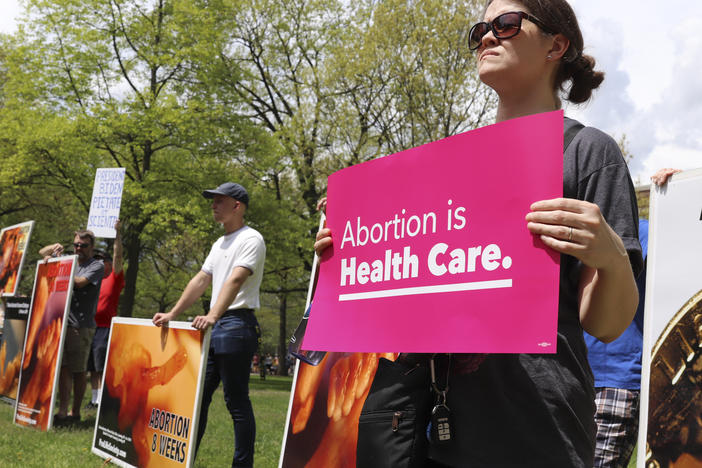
(441, 288)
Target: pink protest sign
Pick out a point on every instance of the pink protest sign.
(431, 251)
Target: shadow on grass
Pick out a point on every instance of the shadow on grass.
(69, 447)
(272, 382)
(87, 423)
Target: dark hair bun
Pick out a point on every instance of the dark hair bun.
(581, 72)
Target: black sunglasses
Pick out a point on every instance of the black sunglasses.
(82, 245)
(503, 26)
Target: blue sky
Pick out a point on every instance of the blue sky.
(651, 52)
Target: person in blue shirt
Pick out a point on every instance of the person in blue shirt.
(617, 370)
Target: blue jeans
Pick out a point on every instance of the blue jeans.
(232, 345)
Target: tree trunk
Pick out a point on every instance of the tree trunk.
(133, 248)
(282, 336)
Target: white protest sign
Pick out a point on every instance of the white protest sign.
(671, 381)
(106, 201)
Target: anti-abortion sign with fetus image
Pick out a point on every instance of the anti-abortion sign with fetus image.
(431, 251)
(13, 245)
(43, 344)
(325, 405)
(11, 345)
(151, 390)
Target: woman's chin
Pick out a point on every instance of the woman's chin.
(490, 75)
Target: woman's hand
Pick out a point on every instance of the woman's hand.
(323, 239)
(577, 228)
(607, 293)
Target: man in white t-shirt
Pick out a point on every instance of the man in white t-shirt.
(234, 268)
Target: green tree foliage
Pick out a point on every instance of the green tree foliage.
(341, 83)
(642, 190)
(338, 83)
(186, 94)
(116, 78)
(40, 178)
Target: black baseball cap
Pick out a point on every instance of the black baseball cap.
(229, 189)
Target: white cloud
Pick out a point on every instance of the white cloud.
(671, 155)
(611, 102)
(652, 91)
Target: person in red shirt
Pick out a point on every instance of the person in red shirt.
(112, 285)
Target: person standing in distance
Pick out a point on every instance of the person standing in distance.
(112, 285)
(87, 279)
(234, 267)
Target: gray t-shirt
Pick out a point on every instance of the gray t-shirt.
(521, 410)
(84, 300)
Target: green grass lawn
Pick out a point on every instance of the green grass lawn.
(632, 461)
(70, 447)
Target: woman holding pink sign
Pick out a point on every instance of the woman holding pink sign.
(538, 409)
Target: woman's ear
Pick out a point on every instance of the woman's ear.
(559, 47)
